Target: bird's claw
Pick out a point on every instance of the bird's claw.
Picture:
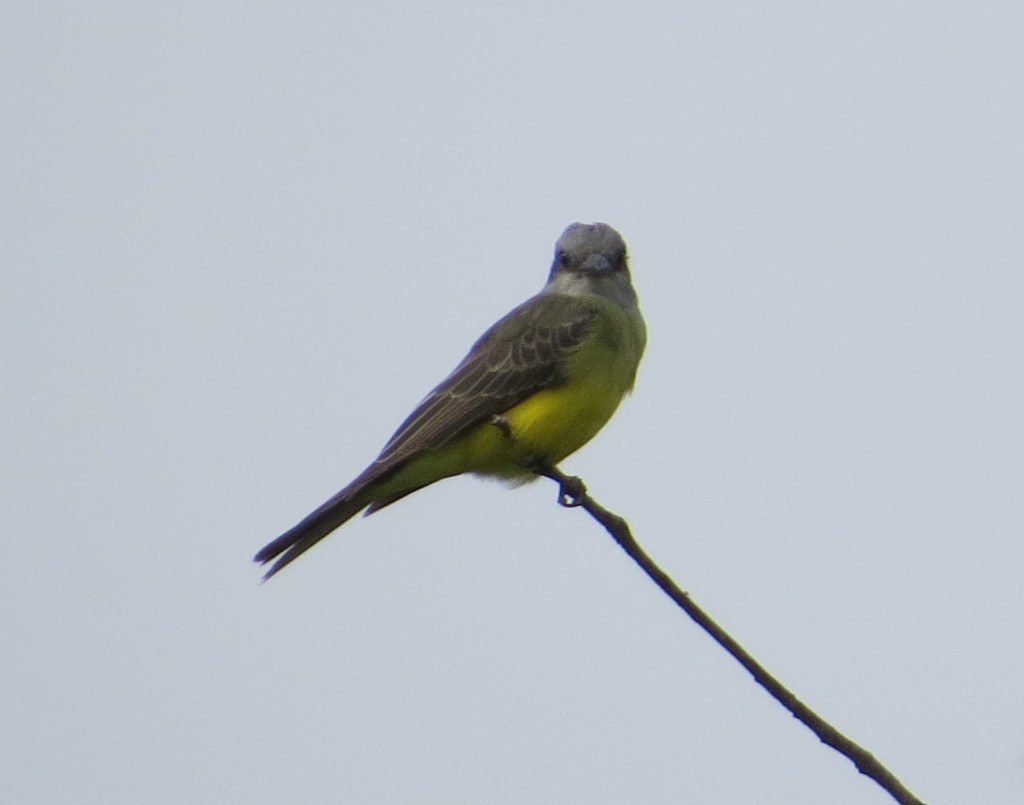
(570, 492)
(571, 489)
(503, 425)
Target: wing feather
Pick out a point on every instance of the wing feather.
(519, 356)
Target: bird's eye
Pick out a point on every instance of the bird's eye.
(563, 259)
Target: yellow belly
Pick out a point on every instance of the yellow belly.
(554, 423)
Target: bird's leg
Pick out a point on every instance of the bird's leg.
(502, 424)
(571, 489)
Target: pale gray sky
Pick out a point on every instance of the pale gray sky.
(240, 241)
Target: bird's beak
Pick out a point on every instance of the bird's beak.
(596, 263)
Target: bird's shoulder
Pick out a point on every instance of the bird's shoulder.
(550, 323)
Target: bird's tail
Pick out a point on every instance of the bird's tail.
(372, 491)
(296, 541)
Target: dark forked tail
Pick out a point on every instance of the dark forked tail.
(296, 541)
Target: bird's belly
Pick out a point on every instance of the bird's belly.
(554, 423)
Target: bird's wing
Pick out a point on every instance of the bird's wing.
(520, 355)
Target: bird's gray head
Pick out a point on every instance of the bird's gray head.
(590, 249)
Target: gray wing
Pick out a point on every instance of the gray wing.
(519, 356)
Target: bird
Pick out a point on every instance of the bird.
(534, 388)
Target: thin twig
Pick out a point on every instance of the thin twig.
(573, 492)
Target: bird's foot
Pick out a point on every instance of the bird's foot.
(502, 424)
(571, 489)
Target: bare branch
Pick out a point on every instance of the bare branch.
(573, 493)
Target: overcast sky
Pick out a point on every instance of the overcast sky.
(241, 241)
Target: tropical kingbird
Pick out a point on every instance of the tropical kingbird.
(535, 387)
